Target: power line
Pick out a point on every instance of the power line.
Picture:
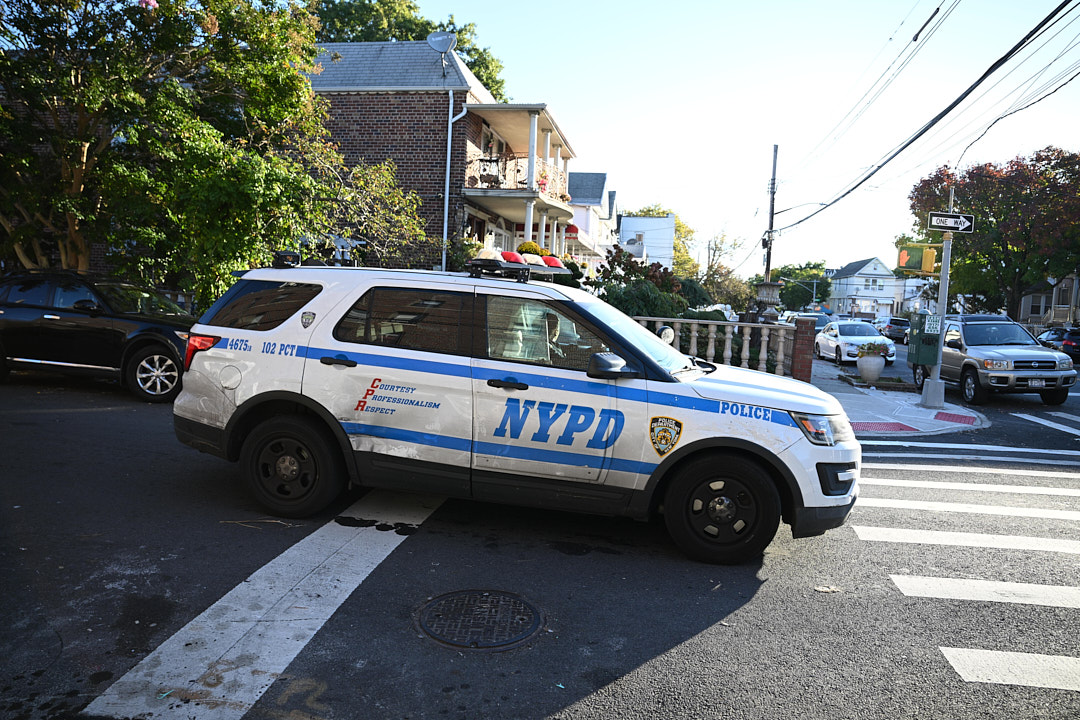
(937, 118)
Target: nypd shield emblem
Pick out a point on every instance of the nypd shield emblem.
(307, 318)
(665, 433)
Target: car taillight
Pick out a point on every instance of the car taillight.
(1073, 343)
(197, 343)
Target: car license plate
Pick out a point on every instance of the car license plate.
(1036, 382)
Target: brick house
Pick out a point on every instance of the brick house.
(495, 172)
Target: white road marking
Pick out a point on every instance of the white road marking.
(988, 591)
(968, 470)
(220, 664)
(958, 446)
(977, 458)
(1012, 668)
(960, 539)
(975, 487)
(1045, 513)
(1066, 416)
(1047, 423)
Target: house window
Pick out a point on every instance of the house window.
(491, 145)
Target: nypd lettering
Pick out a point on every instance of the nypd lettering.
(664, 433)
(564, 422)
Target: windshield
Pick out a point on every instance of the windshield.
(132, 300)
(997, 334)
(858, 330)
(626, 327)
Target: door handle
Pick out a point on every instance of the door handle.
(48, 316)
(339, 360)
(508, 384)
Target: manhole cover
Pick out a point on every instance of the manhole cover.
(480, 619)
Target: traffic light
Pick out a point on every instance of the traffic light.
(929, 257)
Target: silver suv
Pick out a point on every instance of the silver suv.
(991, 353)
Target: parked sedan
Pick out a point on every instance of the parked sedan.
(840, 341)
(75, 323)
(1067, 340)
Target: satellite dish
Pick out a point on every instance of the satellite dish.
(442, 42)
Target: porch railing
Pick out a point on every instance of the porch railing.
(511, 172)
(779, 349)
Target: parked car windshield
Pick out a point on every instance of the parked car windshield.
(858, 330)
(132, 300)
(997, 334)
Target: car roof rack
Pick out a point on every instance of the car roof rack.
(522, 272)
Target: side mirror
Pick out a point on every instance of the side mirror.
(954, 344)
(665, 333)
(86, 306)
(609, 366)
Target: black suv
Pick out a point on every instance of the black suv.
(82, 324)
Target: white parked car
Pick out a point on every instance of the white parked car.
(840, 341)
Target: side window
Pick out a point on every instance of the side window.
(408, 318)
(524, 330)
(68, 292)
(952, 332)
(30, 291)
(259, 304)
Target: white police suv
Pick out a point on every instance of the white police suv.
(528, 393)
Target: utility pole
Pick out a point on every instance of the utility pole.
(772, 208)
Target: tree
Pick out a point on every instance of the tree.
(719, 280)
(380, 20)
(803, 284)
(682, 263)
(1027, 225)
(183, 136)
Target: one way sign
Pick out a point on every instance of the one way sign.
(951, 221)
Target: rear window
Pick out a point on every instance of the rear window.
(413, 319)
(259, 304)
(900, 322)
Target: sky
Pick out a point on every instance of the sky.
(682, 102)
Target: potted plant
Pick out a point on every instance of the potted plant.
(871, 360)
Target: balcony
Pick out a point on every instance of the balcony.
(510, 172)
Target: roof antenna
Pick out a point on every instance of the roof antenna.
(442, 43)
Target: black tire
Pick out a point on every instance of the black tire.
(972, 391)
(1054, 397)
(817, 352)
(292, 466)
(918, 374)
(838, 356)
(153, 375)
(721, 509)
(888, 363)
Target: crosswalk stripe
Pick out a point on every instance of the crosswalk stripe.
(978, 458)
(961, 539)
(1066, 416)
(1013, 668)
(1047, 423)
(973, 487)
(217, 666)
(968, 470)
(1044, 513)
(960, 446)
(988, 591)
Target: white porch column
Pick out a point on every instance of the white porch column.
(555, 237)
(529, 204)
(542, 235)
(534, 118)
(547, 146)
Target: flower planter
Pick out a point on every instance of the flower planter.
(870, 367)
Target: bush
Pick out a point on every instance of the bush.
(644, 298)
(530, 247)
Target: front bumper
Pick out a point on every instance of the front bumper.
(1020, 381)
(811, 521)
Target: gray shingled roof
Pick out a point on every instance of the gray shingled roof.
(382, 66)
(852, 268)
(587, 188)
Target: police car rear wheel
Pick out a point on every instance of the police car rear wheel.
(722, 509)
(291, 466)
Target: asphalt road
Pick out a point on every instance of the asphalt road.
(120, 549)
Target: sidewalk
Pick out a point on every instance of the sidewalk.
(891, 413)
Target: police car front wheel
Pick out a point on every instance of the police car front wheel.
(292, 467)
(722, 509)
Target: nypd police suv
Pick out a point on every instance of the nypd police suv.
(529, 393)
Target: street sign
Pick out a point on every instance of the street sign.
(933, 325)
(951, 221)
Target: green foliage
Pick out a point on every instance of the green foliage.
(184, 137)
(642, 297)
(1027, 225)
(571, 280)
(696, 296)
(719, 280)
(802, 284)
(380, 20)
(461, 251)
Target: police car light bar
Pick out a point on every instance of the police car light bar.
(514, 265)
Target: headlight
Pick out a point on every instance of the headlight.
(824, 429)
(997, 364)
(1065, 364)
